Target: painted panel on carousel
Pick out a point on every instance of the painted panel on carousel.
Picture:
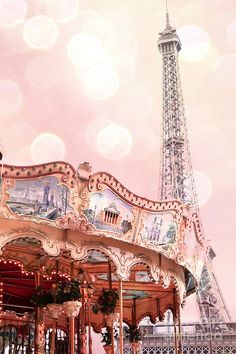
(43, 197)
(109, 213)
(159, 229)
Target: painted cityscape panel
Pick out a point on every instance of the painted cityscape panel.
(159, 229)
(108, 212)
(43, 197)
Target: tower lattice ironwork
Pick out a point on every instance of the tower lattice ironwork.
(176, 175)
(176, 178)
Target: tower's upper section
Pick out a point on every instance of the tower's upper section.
(168, 40)
(176, 175)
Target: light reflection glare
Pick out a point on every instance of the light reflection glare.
(40, 32)
(100, 82)
(47, 147)
(10, 97)
(114, 142)
(62, 10)
(12, 11)
(195, 43)
(203, 187)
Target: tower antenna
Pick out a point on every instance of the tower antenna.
(167, 16)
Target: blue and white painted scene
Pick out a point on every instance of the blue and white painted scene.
(43, 197)
(159, 229)
(108, 212)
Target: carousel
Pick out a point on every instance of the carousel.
(81, 253)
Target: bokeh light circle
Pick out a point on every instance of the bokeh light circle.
(12, 11)
(10, 97)
(99, 27)
(86, 50)
(195, 43)
(101, 82)
(40, 32)
(47, 147)
(62, 10)
(114, 142)
(203, 187)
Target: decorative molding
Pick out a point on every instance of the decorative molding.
(53, 249)
(98, 180)
(66, 171)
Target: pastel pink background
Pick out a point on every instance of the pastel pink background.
(115, 124)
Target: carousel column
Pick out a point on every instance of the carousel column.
(90, 294)
(133, 322)
(39, 324)
(82, 326)
(180, 331)
(111, 329)
(121, 316)
(175, 322)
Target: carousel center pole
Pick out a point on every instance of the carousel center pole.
(110, 288)
(39, 324)
(72, 334)
(89, 327)
(175, 322)
(180, 332)
(121, 315)
(134, 320)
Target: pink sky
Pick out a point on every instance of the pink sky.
(104, 106)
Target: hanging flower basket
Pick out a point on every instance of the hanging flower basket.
(54, 310)
(106, 302)
(134, 334)
(63, 292)
(72, 308)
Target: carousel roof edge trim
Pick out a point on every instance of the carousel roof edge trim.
(56, 197)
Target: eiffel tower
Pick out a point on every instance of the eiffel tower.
(214, 333)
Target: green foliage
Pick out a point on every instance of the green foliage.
(106, 302)
(42, 297)
(68, 290)
(133, 334)
(60, 292)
